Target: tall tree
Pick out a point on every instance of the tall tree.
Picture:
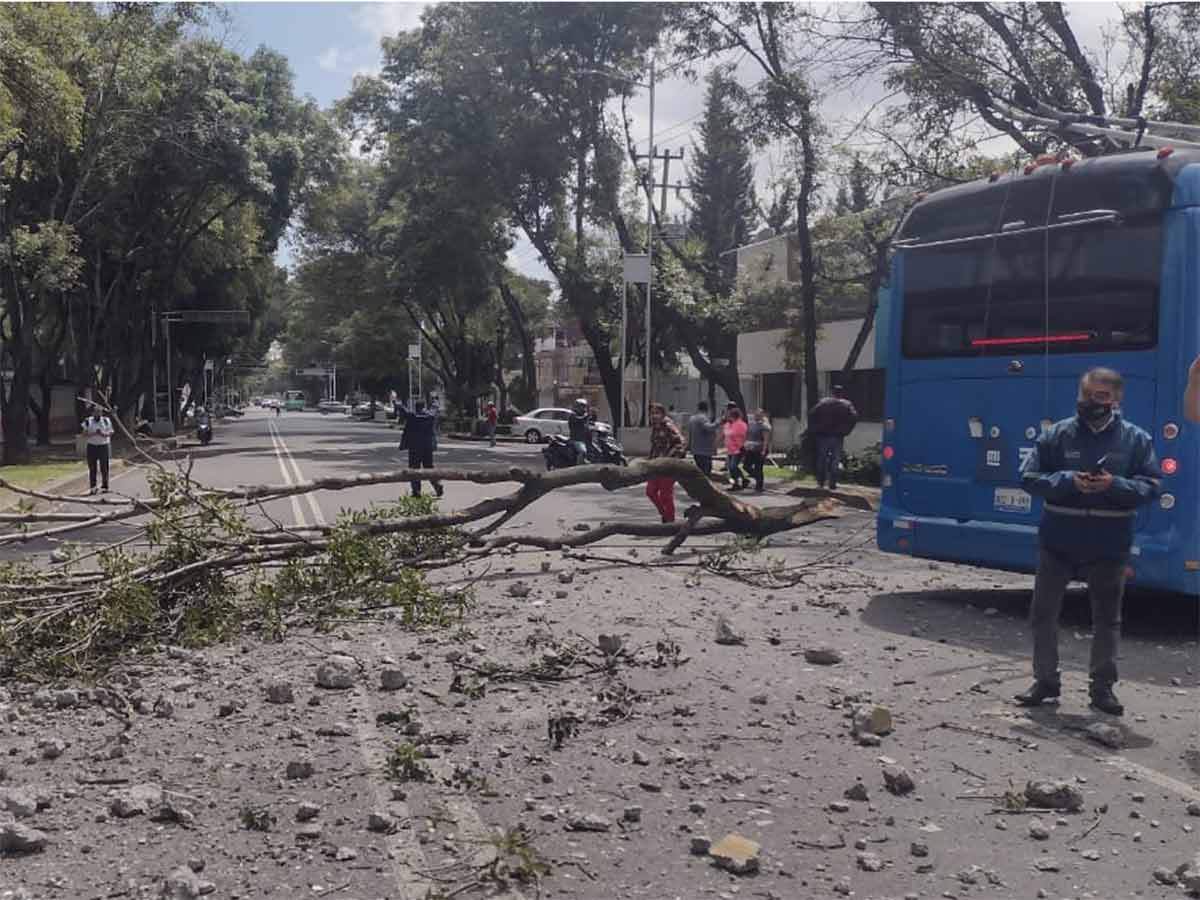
(724, 206)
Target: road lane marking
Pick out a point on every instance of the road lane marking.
(313, 506)
(277, 443)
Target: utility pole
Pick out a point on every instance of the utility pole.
(666, 157)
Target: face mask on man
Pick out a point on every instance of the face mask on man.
(1093, 411)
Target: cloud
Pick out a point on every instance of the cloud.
(381, 20)
(328, 58)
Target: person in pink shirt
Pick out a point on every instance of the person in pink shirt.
(734, 430)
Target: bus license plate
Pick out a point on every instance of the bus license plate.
(1012, 500)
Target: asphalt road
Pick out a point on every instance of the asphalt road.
(680, 737)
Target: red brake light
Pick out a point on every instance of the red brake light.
(889, 452)
(1032, 339)
(1170, 466)
(1165, 152)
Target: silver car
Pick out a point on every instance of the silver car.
(538, 425)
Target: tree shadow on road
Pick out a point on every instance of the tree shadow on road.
(1160, 632)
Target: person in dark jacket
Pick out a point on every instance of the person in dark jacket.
(1092, 472)
(829, 422)
(580, 425)
(702, 437)
(420, 440)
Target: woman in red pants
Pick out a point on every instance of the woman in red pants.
(665, 441)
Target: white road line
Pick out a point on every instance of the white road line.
(313, 506)
(277, 443)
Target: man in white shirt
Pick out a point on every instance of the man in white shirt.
(98, 429)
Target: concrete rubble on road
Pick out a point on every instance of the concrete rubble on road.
(736, 854)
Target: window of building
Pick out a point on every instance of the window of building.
(779, 394)
(864, 388)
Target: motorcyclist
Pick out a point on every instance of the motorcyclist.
(580, 425)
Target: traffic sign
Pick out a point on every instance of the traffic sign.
(315, 371)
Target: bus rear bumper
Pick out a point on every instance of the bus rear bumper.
(1009, 547)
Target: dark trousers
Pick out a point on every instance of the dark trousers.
(829, 457)
(422, 459)
(1106, 587)
(97, 457)
(703, 462)
(754, 461)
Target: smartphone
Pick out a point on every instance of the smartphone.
(1099, 466)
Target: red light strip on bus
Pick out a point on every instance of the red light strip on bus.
(1032, 339)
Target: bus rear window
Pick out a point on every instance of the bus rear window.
(1096, 290)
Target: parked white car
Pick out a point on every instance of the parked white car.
(538, 425)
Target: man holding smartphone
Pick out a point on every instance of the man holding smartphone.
(1092, 471)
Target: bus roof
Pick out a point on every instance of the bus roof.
(1129, 183)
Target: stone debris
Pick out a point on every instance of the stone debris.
(164, 708)
(876, 720)
(1038, 831)
(392, 680)
(589, 822)
(1090, 855)
(299, 769)
(280, 692)
(183, 884)
(610, 644)
(1163, 875)
(17, 802)
(632, 814)
(52, 748)
(18, 838)
(857, 791)
(566, 577)
(138, 800)
(1193, 808)
(1054, 795)
(918, 849)
(346, 854)
(897, 780)
(337, 729)
(1047, 864)
(1108, 735)
(822, 656)
(337, 673)
(307, 811)
(726, 635)
(640, 758)
(1188, 875)
(519, 589)
(68, 698)
(870, 862)
(701, 844)
(381, 823)
(735, 854)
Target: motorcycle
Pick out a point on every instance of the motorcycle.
(204, 428)
(603, 449)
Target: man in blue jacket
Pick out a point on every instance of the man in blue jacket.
(420, 440)
(1092, 471)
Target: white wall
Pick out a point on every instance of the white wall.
(761, 353)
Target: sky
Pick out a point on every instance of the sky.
(328, 44)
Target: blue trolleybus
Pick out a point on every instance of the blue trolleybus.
(1003, 292)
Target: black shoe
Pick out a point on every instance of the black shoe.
(1104, 700)
(439, 490)
(1038, 694)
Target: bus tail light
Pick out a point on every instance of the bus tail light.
(1165, 152)
(1167, 501)
(889, 451)
(1170, 431)
(1170, 466)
